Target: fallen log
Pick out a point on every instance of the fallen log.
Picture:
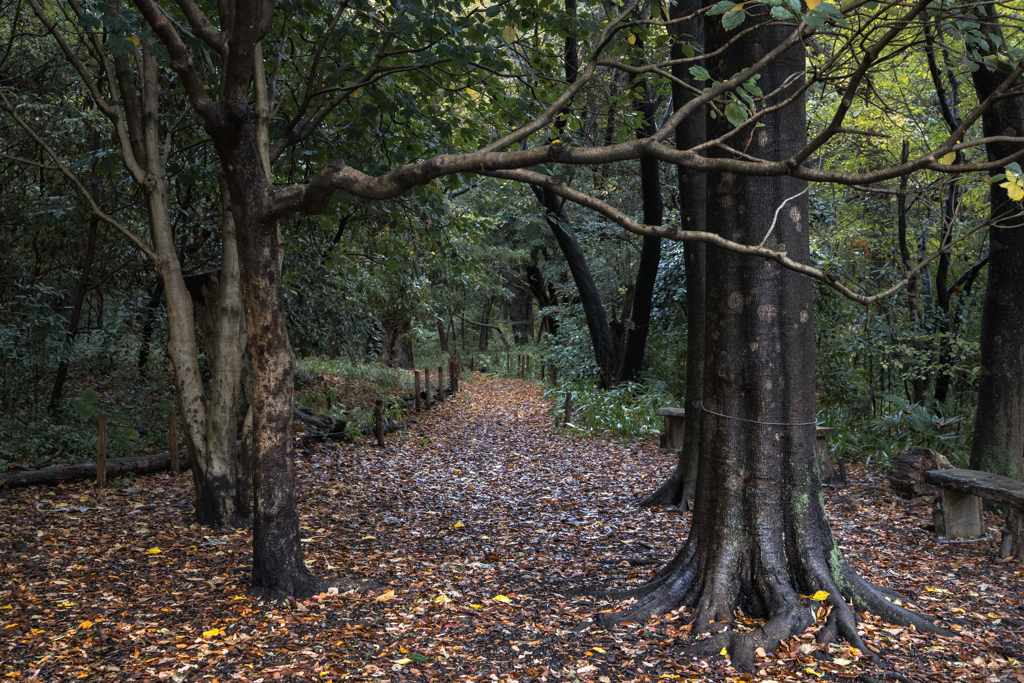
(116, 467)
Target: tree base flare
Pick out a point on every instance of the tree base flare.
(300, 586)
(785, 611)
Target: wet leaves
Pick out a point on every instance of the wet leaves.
(473, 533)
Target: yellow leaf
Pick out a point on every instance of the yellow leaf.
(154, 551)
(211, 633)
(442, 599)
(85, 624)
(948, 159)
(403, 661)
(509, 34)
(598, 649)
(665, 11)
(133, 40)
(631, 39)
(724, 652)
(819, 596)
(813, 672)
(811, 4)
(476, 606)
(458, 524)
(502, 598)
(385, 596)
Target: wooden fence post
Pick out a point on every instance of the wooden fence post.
(568, 407)
(101, 452)
(440, 382)
(378, 421)
(416, 397)
(426, 378)
(173, 437)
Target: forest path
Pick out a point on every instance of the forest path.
(471, 530)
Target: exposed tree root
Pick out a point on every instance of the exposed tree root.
(679, 489)
(786, 611)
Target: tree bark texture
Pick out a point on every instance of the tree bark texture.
(760, 538)
(277, 570)
(998, 444)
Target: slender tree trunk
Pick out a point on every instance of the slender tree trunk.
(558, 220)
(442, 336)
(759, 538)
(484, 331)
(590, 298)
(680, 487)
(650, 253)
(919, 384)
(998, 444)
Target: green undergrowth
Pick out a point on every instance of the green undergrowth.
(896, 424)
(625, 411)
(347, 391)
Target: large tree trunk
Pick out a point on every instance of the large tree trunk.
(679, 488)
(759, 538)
(277, 568)
(396, 351)
(998, 444)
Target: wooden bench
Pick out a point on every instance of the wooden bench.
(960, 515)
(675, 427)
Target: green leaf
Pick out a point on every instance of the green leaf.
(781, 13)
(417, 657)
(733, 19)
(699, 73)
(721, 8)
(814, 19)
(735, 113)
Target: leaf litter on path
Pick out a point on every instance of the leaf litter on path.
(474, 532)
